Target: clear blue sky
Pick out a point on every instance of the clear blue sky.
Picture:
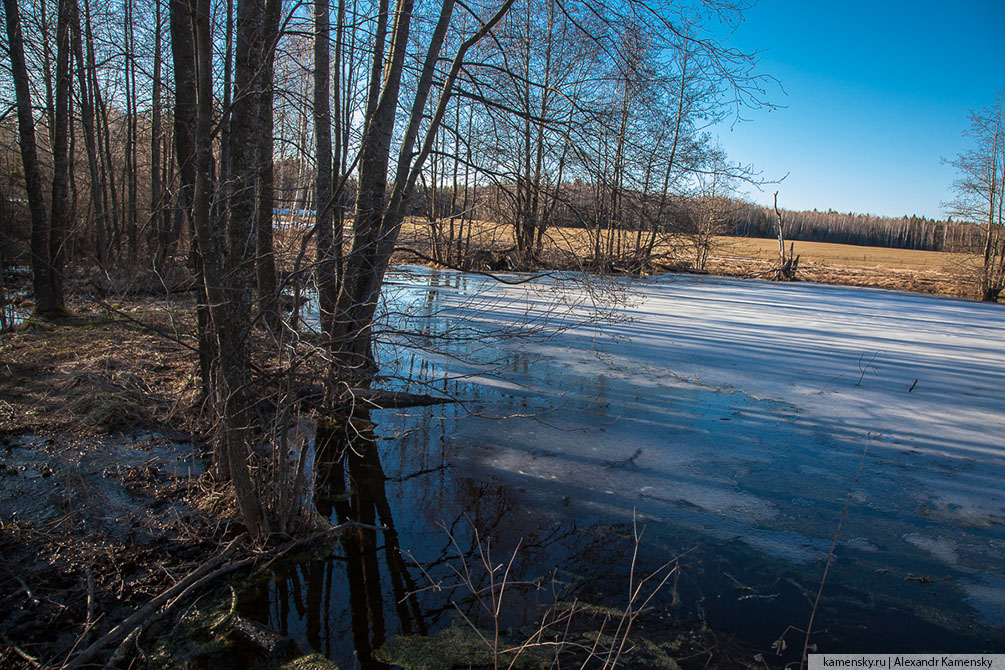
(875, 93)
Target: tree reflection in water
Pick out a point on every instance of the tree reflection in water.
(351, 487)
(397, 572)
(306, 598)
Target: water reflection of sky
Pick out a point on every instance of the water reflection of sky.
(724, 416)
(13, 297)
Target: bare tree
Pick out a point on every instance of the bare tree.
(265, 258)
(377, 224)
(709, 210)
(980, 189)
(46, 277)
(327, 286)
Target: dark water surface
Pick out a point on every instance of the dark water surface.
(563, 449)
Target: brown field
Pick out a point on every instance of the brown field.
(842, 254)
(904, 269)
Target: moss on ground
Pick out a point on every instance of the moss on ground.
(460, 646)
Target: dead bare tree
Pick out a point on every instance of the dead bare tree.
(787, 265)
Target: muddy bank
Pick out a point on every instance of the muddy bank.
(103, 498)
(89, 526)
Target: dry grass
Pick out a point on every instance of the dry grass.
(844, 254)
(936, 272)
(99, 473)
(96, 372)
(943, 273)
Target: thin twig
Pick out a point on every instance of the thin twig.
(864, 369)
(90, 597)
(830, 554)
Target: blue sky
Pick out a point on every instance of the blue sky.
(875, 94)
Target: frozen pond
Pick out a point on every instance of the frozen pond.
(728, 416)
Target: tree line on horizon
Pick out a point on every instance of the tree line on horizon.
(907, 232)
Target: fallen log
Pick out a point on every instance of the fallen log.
(312, 396)
(381, 399)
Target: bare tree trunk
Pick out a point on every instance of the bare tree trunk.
(265, 259)
(108, 202)
(678, 120)
(50, 105)
(377, 64)
(455, 192)
(342, 117)
(158, 213)
(781, 233)
(114, 236)
(182, 17)
(231, 277)
(352, 327)
(221, 203)
(990, 287)
(68, 246)
(46, 302)
(377, 226)
(788, 266)
(90, 145)
(546, 93)
(326, 272)
(246, 122)
(129, 181)
(60, 157)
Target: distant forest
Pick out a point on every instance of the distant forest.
(914, 232)
(578, 206)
